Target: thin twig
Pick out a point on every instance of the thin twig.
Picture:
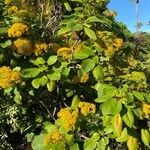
(47, 110)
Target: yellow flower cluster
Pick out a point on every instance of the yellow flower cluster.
(9, 77)
(146, 109)
(137, 76)
(7, 2)
(17, 30)
(82, 79)
(138, 79)
(86, 108)
(66, 52)
(13, 9)
(111, 42)
(113, 46)
(109, 13)
(53, 137)
(68, 118)
(39, 48)
(23, 46)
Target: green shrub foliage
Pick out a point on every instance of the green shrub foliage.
(70, 78)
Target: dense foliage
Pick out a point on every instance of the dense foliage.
(71, 77)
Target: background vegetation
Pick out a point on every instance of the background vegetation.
(71, 77)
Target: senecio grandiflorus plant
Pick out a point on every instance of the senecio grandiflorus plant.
(70, 71)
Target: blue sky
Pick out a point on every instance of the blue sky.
(126, 13)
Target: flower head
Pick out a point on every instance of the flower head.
(23, 46)
(9, 77)
(53, 137)
(12, 9)
(17, 30)
(39, 48)
(7, 2)
(66, 52)
(87, 108)
(84, 78)
(68, 118)
(146, 109)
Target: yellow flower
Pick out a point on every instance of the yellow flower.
(39, 48)
(146, 109)
(109, 13)
(118, 42)
(65, 52)
(53, 137)
(84, 78)
(111, 44)
(17, 30)
(68, 118)
(87, 108)
(12, 9)
(23, 46)
(7, 1)
(9, 77)
(138, 76)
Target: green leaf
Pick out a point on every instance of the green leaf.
(38, 142)
(63, 30)
(51, 85)
(52, 60)
(36, 83)
(94, 19)
(3, 31)
(49, 127)
(138, 95)
(129, 97)
(74, 146)
(80, 1)
(83, 53)
(38, 61)
(107, 120)
(56, 75)
(147, 97)
(105, 89)
(145, 136)
(95, 136)
(124, 136)
(33, 72)
(67, 6)
(17, 97)
(128, 118)
(111, 107)
(90, 33)
(77, 27)
(75, 102)
(102, 143)
(87, 65)
(30, 137)
(98, 73)
(5, 44)
(89, 144)
(103, 98)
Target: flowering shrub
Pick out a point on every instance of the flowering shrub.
(72, 80)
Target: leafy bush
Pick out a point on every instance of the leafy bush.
(69, 77)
